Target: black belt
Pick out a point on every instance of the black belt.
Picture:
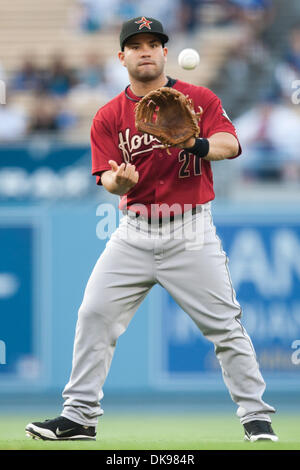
(160, 220)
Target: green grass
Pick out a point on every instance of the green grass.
(154, 432)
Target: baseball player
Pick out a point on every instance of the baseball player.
(147, 175)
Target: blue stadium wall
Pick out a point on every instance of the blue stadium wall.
(47, 251)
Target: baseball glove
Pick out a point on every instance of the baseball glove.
(168, 115)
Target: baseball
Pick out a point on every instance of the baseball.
(188, 59)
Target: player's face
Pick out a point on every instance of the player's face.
(144, 56)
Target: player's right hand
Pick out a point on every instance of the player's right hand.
(124, 176)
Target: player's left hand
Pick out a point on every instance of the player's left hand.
(168, 115)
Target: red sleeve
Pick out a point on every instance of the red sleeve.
(215, 120)
(103, 147)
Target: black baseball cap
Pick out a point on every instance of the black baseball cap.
(142, 24)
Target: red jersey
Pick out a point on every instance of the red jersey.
(177, 179)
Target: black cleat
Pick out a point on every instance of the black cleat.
(259, 431)
(60, 429)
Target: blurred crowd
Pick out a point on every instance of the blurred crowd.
(178, 15)
(49, 87)
(255, 83)
(270, 129)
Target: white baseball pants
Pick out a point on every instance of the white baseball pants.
(195, 273)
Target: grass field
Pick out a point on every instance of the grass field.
(155, 432)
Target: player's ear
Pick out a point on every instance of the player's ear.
(165, 52)
(121, 57)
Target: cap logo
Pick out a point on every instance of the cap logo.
(144, 23)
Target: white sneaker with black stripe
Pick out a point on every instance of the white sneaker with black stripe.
(259, 431)
(60, 429)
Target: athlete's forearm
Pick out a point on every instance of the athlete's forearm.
(222, 146)
(219, 146)
(109, 183)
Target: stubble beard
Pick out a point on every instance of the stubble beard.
(146, 75)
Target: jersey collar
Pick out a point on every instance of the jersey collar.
(131, 96)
